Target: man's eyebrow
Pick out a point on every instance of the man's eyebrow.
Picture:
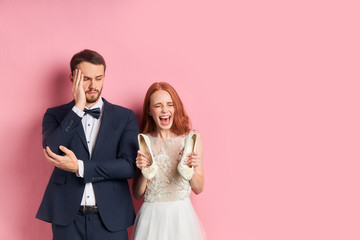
(95, 77)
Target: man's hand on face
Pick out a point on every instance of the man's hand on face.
(78, 90)
(68, 162)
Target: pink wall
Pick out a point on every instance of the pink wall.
(272, 85)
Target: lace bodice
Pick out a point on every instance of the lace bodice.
(167, 185)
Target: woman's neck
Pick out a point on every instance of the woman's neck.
(164, 133)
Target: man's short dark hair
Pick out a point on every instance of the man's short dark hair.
(86, 56)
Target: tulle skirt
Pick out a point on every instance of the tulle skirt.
(174, 220)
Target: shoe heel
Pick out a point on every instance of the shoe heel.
(145, 146)
(190, 145)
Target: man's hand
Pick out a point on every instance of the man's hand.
(78, 89)
(68, 162)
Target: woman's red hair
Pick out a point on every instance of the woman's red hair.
(181, 121)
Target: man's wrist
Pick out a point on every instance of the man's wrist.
(80, 106)
(76, 170)
(78, 111)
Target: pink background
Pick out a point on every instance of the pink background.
(273, 86)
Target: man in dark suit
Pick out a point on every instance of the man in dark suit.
(92, 144)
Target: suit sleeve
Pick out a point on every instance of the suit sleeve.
(123, 167)
(58, 131)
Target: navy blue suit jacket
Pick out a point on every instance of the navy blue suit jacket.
(111, 164)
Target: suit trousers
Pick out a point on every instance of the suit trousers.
(86, 227)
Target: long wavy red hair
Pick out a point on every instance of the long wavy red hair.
(181, 121)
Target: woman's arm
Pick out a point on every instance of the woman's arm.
(196, 160)
(139, 183)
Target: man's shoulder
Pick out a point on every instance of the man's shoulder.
(119, 113)
(61, 108)
(116, 108)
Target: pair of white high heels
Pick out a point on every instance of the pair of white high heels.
(185, 171)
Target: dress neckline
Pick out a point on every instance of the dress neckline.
(166, 138)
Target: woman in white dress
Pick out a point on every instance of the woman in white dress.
(170, 166)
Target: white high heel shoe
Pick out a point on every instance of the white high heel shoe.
(145, 146)
(190, 145)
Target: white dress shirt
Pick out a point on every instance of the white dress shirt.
(91, 127)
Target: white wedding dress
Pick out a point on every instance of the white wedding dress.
(167, 212)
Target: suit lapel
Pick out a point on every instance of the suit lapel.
(80, 129)
(106, 122)
(81, 133)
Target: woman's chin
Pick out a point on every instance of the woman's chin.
(164, 126)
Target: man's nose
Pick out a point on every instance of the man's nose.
(92, 83)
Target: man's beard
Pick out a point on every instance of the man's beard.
(93, 99)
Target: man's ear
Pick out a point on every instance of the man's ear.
(71, 77)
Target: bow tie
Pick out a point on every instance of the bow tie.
(95, 113)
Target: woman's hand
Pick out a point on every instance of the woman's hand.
(193, 160)
(143, 160)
